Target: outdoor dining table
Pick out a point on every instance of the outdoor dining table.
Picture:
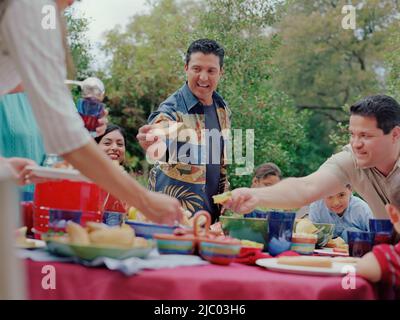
(207, 282)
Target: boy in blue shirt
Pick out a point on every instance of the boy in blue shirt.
(345, 211)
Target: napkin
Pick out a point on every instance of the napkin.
(250, 258)
(128, 266)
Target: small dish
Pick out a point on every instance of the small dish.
(175, 244)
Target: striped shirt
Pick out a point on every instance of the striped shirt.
(388, 257)
(32, 52)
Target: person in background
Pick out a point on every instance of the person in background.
(19, 133)
(368, 164)
(113, 143)
(24, 47)
(266, 175)
(346, 211)
(199, 172)
(383, 263)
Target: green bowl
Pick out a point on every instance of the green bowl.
(324, 234)
(59, 248)
(253, 229)
(92, 252)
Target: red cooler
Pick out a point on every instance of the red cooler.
(68, 195)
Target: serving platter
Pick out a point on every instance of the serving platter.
(57, 174)
(31, 244)
(337, 269)
(330, 252)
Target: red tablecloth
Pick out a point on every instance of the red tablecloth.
(232, 282)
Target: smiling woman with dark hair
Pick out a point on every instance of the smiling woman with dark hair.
(113, 142)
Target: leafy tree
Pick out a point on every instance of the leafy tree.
(242, 27)
(146, 65)
(324, 67)
(393, 61)
(80, 46)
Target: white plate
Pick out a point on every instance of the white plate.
(337, 269)
(58, 174)
(330, 252)
(32, 244)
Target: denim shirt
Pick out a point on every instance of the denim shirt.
(355, 217)
(186, 180)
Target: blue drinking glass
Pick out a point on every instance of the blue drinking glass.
(59, 218)
(383, 229)
(90, 110)
(280, 231)
(360, 242)
(112, 218)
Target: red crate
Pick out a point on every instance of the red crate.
(69, 195)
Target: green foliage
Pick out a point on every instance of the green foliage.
(79, 46)
(146, 65)
(393, 61)
(279, 129)
(324, 67)
(290, 70)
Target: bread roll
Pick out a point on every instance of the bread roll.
(336, 243)
(305, 226)
(113, 237)
(93, 226)
(20, 236)
(352, 260)
(140, 242)
(77, 234)
(320, 262)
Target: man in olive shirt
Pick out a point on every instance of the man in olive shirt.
(369, 162)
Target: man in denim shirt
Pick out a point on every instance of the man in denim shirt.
(192, 166)
(345, 211)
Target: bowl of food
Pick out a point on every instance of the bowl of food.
(91, 252)
(148, 230)
(253, 229)
(98, 240)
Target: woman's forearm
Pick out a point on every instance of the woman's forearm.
(95, 165)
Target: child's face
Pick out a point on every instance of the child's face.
(394, 215)
(339, 202)
(265, 182)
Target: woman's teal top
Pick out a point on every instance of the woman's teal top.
(19, 133)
